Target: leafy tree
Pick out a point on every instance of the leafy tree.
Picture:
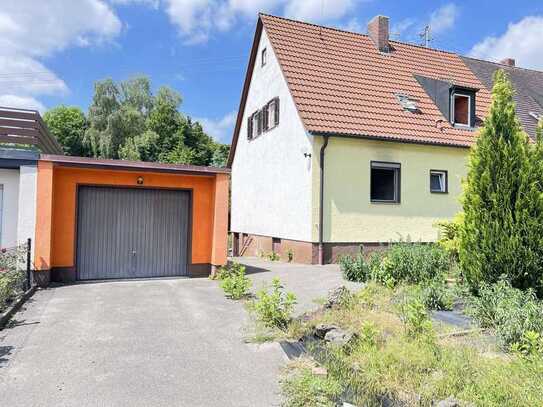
(143, 147)
(68, 125)
(220, 155)
(165, 118)
(502, 201)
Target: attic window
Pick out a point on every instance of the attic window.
(407, 102)
(461, 109)
(264, 56)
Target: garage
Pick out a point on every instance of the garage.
(131, 233)
(112, 219)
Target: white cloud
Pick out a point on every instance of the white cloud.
(318, 10)
(21, 102)
(196, 20)
(33, 29)
(521, 41)
(353, 25)
(443, 18)
(220, 129)
(150, 3)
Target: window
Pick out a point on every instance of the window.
(264, 56)
(273, 113)
(439, 181)
(461, 109)
(385, 182)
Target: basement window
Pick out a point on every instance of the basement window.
(461, 109)
(438, 181)
(385, 182)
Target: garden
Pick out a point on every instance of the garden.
(385, 345)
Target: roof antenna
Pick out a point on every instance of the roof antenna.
(426, 37)
(322, 17)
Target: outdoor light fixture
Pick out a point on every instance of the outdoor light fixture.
(140, 180)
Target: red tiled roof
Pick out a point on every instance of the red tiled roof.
(342, 84)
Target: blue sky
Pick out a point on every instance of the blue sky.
(51, 52)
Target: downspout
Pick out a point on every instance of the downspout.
(321, 203)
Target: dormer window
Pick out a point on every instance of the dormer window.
(461, 109)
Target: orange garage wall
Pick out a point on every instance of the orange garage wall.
(204, 210)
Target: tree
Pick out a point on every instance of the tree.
(220, 155)
(143, 147)
(502, 200)
(68, 125)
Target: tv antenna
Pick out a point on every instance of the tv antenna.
(426, 36)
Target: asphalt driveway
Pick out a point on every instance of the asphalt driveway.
(166, 342)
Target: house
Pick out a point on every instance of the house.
(20, 129)
(345, 139)
(93, 219)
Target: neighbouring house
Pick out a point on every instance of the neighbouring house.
(22, 136)
(345, 139)
(92, 219)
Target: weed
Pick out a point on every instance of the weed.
(274, 308)
(290, 255)
(235, 284)
(272, 256)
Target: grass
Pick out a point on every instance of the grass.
(389, 362)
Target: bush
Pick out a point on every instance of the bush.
(435, 295)
(274, 309)
(354, 268)
(449, 235)
(509, 311)
(235, 284)
(415, 317)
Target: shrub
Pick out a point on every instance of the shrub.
(235, 284)
(415, 317)
(410, 263)
(274, 308)
(530, 345)
(435, 295)
(449, 235)
(509, 311)
(354, 268)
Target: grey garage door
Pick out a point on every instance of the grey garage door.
(131, 233)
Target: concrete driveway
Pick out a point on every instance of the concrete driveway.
(167, 342)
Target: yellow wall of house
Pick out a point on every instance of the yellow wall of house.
(349, 216)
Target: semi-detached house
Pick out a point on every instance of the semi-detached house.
(345, 139)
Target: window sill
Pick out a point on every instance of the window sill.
(375, 201)
(439, 192)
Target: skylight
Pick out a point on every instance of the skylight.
(407, 102)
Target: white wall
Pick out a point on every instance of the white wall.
(10, 203)
(271, 178)
(26, 227)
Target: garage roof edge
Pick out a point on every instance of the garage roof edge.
(131, 165)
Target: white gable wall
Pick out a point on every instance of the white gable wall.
(271, 178)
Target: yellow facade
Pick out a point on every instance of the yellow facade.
(350, 216)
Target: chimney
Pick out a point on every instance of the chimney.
(508, 62)
(378, 32)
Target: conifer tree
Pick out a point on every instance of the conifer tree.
(502, 199)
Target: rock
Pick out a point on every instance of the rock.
(322, 329)
(345, 404)
(339, 337)
(319, 371)
(337, 296)
(449, 402)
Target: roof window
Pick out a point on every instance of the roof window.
(537, 116)
(407, 102)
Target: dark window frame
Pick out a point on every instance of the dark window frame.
(446, 173)
(387, 165)
(275, 103)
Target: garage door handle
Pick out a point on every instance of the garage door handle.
(133, 252)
